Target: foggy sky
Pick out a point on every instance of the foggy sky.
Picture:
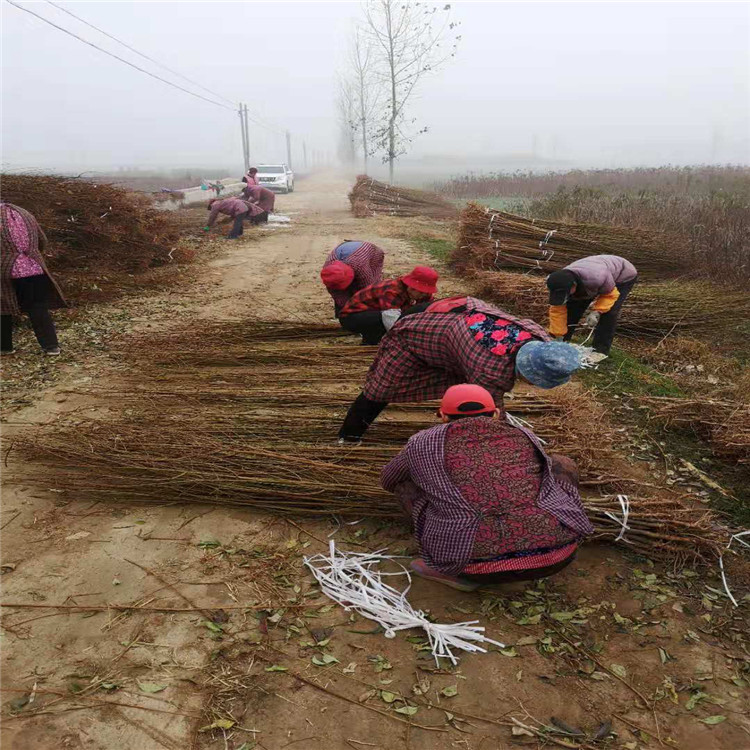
(602, 84)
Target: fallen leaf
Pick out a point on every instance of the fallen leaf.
(407, 710)
(78, 535)
(520, 732)
(619, 670)
(519, 675)
(349, 669)
(387, 697)
(527, 640)
(508, 651)
(277, 668)
(599, 676)
(324, 660)
(218, 724)
(367, 695)
(711, 720)
(151, 687)
(449, 691)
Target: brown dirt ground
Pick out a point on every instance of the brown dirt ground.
(80, 679)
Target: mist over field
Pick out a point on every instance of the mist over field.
(532, 86)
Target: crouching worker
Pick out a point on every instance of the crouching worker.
(372, 311)
(350, 267)
(487, 503)
(602, 281)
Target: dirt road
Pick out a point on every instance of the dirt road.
(216, 597)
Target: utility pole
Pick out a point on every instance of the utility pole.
(289, 149)
(247, 137)
(244, 138)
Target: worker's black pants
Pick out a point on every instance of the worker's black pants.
(369, 324)
(362, 413)
(33, 295)
(604, 332)
(237, 228)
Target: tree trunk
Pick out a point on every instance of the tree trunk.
(392, 121)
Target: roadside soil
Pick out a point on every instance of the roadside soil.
(216, 646)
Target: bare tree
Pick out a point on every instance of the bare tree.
(410, 40)
(362, 61)
(347, 117)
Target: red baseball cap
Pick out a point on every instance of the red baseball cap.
(466, 399)
(337, 275)
(423, 279)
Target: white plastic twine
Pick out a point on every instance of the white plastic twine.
(733, 538)
(624, 501)
(518, 422)
(351, 580)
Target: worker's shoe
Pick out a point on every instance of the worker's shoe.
(596, 357)
(420, 567)
(53, 352)
(350, 440)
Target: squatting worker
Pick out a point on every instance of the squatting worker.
(27, 286)
(458, 340)
(251, 176)
(605, 281)
(373, 310)
(487, 504)
(263, 197)
(238, 209)
(349, 267)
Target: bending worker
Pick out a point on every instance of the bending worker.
(238, 209)
(349, 267)
(488, 505)
(373, 310)
(459, 340)
(264, 197)
(605, 281)
(27, 286)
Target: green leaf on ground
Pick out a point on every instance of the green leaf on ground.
(449, 691)
(711, 720)
(388, 697)
(218, 724)
(508, 651)
(619, 670)
(151, 687)
(277, 668)
(324, 660)
(407, 710)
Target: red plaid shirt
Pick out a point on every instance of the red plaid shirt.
(423, 355)
(521, 524)
(392, 294)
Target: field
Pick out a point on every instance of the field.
(166, 478)
(707, 208)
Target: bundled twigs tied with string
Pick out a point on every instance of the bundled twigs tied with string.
(259, 431)
(491, 239)
(370, 197)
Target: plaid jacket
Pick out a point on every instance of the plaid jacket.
(424, 354)
(446, 523)
(366, 262)
(8, 254)
(391, 294)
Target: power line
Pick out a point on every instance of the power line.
(121, 59)
(133, 49)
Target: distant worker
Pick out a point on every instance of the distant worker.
(349, 267)
(264, 197)
(487, 504)
(251, 176)
(239, 210)
(27, 285)
(373, 310)
(459, 340)
(605, 281)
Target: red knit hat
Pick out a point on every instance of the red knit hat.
(337, 275)
(466, 399)
(423, 279)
